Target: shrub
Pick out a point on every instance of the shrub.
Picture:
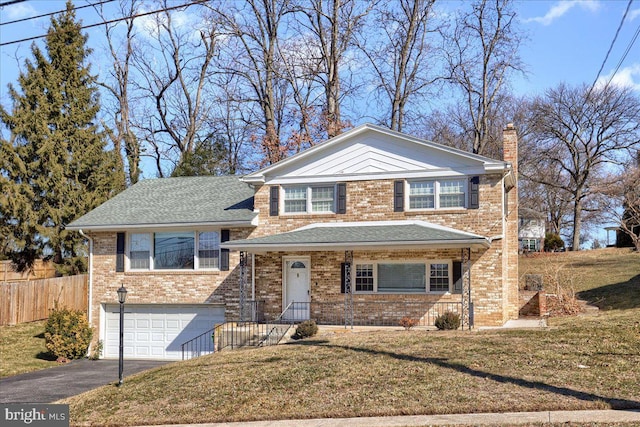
(97, 350)
(408, 323)
(306, 329)
(553, 242)
(67, 334)
(448, 321)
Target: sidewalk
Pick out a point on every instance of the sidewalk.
(511, 418)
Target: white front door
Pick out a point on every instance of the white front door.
(297, 288)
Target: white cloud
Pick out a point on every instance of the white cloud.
(560, 8)
(634, 14)
(18, 11)
(625, 77)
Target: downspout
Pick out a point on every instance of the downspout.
(90, 293)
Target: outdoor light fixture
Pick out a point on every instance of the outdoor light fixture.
(122, 297)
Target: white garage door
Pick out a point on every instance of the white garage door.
(157, 331)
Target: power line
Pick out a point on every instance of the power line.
(52, 13)
(9, 3)
(624, 17)
(626, 52)
(111, 21)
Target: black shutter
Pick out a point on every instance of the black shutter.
(274, 201)
(120, 238)
(342, 277)
(224, 253)
(398, 196)
(342, 198)
(457, 277)
(474, 192)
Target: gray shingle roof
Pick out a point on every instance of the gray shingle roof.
(174, 201)
(325, 236)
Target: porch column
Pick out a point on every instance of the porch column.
(348, 289)
(467, 303)
(243, 284)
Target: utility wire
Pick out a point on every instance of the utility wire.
(53, 13)
(624, 17)
(111, 21)
(624, 56)
(9, 3)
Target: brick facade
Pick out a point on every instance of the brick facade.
(493, 275)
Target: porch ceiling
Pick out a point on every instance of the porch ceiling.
(363, 235)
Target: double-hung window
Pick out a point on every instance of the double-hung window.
(437, 194)
(309, 199)
(403, 277)
(174, 250)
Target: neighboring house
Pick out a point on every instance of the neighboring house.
(531, 230)
(365, 228)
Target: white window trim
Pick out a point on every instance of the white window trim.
(436, 193)
(196, 258)
(427, 263)
(309, 206)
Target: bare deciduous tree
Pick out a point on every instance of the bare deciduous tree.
(580, 132)
(122, 134)
(334, 24)
(174, 67)
(403, 57)
(481, 52)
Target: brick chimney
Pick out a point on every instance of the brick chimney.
(510, 147)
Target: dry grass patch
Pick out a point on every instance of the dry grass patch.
(585, 364)
(22, 349)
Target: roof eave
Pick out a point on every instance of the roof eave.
(121, 227)
(294, 247)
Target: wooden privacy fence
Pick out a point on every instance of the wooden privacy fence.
(40, 270)
(31, 300)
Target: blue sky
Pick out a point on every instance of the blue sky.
(567, 40)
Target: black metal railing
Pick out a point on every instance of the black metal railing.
(262, 332)
(370, 313)
(198, 346)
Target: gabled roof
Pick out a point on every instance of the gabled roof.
(362, 235)
(374, 152)
(174, 202)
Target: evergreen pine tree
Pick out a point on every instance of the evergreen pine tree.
(55, 166)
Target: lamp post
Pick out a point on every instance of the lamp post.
(122, 296)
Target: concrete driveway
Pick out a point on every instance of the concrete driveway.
(78, 376)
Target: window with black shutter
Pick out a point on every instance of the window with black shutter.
(120, 239)
(224, 253)
(474, 192)
(398, 196)
(274, 200)
(342, 198)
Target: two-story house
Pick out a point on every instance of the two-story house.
(365, 228)
(531, 230)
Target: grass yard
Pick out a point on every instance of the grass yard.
(582, 362)
(22, 349)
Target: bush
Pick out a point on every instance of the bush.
(448, 321)
(408, 323)
(553, 242)
(306, 329)
(67, 334)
